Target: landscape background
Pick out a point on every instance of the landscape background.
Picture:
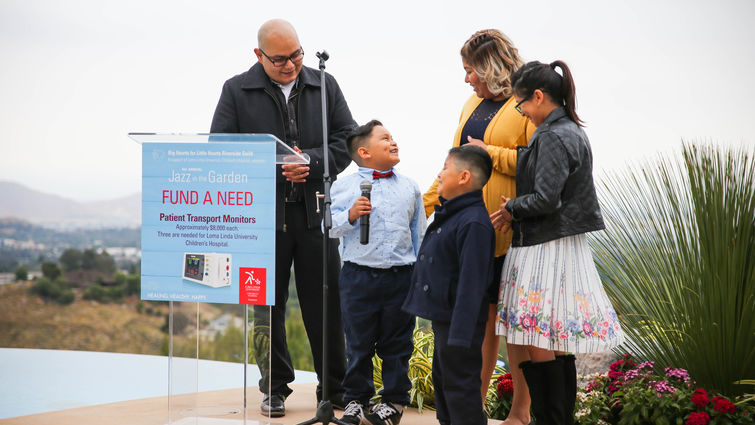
(78, 76)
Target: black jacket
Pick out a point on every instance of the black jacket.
(249, 104)
(555, 191)
(454, 267)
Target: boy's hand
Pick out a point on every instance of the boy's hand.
(361, 207)
(502, 219)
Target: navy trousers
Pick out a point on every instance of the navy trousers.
(373, 321)
(456, 378)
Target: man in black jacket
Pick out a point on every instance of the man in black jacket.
(280, 96)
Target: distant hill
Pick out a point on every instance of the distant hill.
(57, 212)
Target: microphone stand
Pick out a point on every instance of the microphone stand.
(324, 413)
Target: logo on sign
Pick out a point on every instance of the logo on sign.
(252, 284)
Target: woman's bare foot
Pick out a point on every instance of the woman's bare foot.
(516, 420)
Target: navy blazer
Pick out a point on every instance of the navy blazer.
(454, 267)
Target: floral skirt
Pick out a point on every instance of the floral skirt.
(551, 297)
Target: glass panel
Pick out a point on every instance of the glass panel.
(284, 153)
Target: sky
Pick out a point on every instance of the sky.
(78, 76)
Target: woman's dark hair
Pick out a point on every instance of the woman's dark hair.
(537, 75)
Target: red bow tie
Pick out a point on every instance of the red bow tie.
(379, 175)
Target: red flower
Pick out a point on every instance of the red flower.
(615, 374)
(700, 398)
(698, 418)
(622, 364)
(723, 405)
(614, 386)
(505, 387)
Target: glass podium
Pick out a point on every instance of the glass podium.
(208, 247)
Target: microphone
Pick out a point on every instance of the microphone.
(364, 221)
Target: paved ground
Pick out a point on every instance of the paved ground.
(213, 406)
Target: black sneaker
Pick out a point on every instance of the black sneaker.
(272, 406)
(383, 414)
(353, 413)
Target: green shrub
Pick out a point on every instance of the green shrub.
(22, 273)
(422, 394)
(45, 288)
(678, 261)
(631, 393)
(66, 297)
(115, 293)
(95, 293)
(56, 290)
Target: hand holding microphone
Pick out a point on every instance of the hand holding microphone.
(361, 209)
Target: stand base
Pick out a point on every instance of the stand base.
(324, 415)
(210, 411)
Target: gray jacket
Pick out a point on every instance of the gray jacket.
(555, 191)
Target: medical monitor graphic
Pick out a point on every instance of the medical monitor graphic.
(211, 269)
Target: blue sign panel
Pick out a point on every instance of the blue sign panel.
(208, 222)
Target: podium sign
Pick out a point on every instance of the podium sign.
(208, 218)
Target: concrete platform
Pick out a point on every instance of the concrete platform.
(206, 408)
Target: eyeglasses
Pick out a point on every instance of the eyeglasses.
(280, 61)
(518, 106)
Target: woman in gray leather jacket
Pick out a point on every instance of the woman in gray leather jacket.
(552, 300)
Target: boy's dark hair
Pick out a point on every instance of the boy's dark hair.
(476, 160)
(358, 138)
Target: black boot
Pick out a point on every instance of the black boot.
(546, 382)
(570, 386)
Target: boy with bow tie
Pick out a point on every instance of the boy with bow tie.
(375, 276)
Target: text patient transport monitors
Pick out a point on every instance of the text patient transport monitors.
(211, 269)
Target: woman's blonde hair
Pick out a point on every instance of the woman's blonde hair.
(494, 58)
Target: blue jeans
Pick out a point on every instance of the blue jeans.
(373, 321)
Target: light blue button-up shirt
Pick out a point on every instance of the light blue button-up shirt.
(397, 220)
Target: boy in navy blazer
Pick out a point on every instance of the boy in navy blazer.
(452, 272)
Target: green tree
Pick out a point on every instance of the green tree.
(22, 273)
(229, 345)
(100, 261)
(678, 261)
(50, 270)
(104, 263)
(119, 279)
(298, 344)
(133, 284)
(71, 259)
(88, 259)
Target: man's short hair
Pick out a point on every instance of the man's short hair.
(358, 138)
(476, 160)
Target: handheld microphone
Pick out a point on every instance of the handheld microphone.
(364, 221)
